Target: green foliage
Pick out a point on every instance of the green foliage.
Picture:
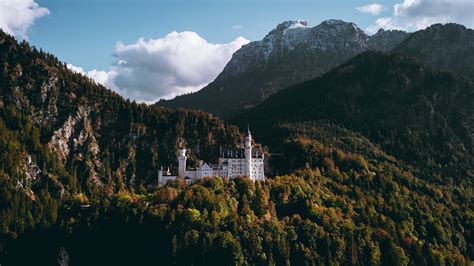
(413, 112)
(341, 209)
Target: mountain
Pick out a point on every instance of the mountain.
(414, 112)
(387, 40)
(291, 53)
(59, 125)
(76, 160)
(444, 46)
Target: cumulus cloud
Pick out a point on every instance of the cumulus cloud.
(411, 15)
(17, 16)
(373, 9)
(179, 63)
(76, 69)
(105, 78)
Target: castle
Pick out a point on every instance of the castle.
(246, 161)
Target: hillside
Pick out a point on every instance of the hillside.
(61, 134)
(291, 53)
(447, 47)
(343, 208)
(414, 112)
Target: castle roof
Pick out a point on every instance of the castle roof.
(233, 153)
(240, 153)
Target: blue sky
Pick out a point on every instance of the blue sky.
(147, 50)
(84, 32)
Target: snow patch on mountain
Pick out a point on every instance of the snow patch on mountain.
(290, 35)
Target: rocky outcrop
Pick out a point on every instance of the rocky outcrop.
(386, 40)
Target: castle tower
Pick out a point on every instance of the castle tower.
(182, 162)
(160, 176)
(248, 154)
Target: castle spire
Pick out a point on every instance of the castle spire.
(248, 153)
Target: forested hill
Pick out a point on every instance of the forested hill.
(414, 112)
(446, 47)
(61, 126)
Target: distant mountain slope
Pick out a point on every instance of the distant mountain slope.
(291, 53)
(414, 112)
(386, 40)
(448, 47)
(61, 125)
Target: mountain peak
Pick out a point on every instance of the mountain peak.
(288, 25)
(292, 52)
(338, 25)
(334, 22)
(384, 31)
(386, 40)
(444, 46)
(438, 26)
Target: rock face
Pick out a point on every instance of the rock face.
(291, 53)
(386, 40)
(448, 47)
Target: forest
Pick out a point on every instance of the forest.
(78, 178)
(345, 210)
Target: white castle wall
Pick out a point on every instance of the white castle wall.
(230, 167)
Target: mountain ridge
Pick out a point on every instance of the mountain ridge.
(445, 46)
(287, 55)
(413, 111)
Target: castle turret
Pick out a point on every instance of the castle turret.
(182, 162)
(160, 176)
(248, 154)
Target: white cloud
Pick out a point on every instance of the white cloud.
(105, 78)
(411, 15)
(373, 9)
(237, 27)
(179, 63)
(76, 69)
(17, 16)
